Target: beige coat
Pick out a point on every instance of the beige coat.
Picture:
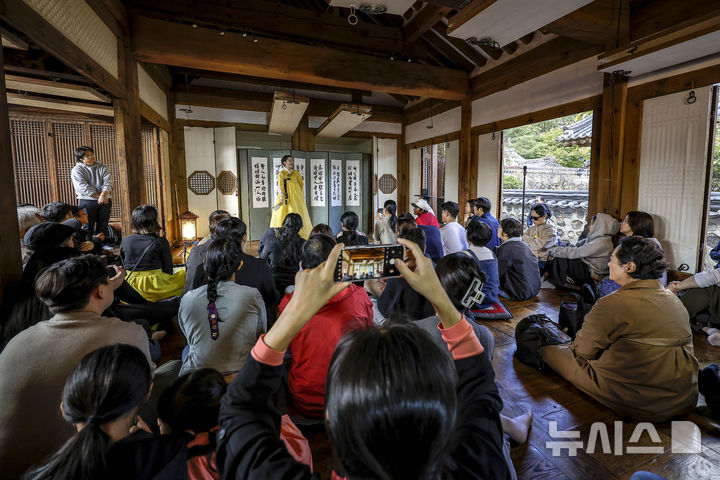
(540, 238)
(634, 354)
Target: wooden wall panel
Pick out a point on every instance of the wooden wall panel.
(29, 155)
(66, 137)
(104, 142)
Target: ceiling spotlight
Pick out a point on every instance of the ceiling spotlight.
(255, 40)
(370, 10)
(244, 34)
(409, 60)
(194, 25)
(392, 57)
(222, 32)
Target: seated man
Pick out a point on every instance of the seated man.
(423, 212)
(56, 212)
(37, 361)
(517, 264)
(313, 346)
(634, 352)
(398, 298)
(433, 240)
(478, 235)
(481, 209)
(452, 233)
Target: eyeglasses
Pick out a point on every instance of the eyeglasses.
(534, 217)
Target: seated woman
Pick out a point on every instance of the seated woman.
(581, 264)
(427, 422)
(384, 232)
(281, 248)
(101, 400)
(147, 258)
(221, 320)
(349, 223)
(478, 235)
(639, 224)
(542, 235)
(634, 352)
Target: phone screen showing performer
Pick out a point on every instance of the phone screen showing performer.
(367, 262)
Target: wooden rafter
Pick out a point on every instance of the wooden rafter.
(474, 8)
(510, 48)
(594, 23)
(438, 42)
(422, 110)
(428, 16)
(468, 50)
(169, 43)
(491, 51)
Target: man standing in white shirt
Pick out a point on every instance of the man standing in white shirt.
(452, 233)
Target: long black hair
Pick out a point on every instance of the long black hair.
(391, 208)
(350, 221)
(391, 403)
(456, 273)
(641, 224)
(107, 384)
(144, 220)
(192, 402)
(290, 240)
(222, 259)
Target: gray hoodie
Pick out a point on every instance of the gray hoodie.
(90, 180)
(598, 246)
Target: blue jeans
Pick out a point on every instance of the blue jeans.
(642, 475)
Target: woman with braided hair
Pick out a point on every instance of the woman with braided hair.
(221, 320)
(101, 399)
(291, 197)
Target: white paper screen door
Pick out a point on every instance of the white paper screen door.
(673, 164)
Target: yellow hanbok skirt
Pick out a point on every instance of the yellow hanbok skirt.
(295, 202)
(156, 285)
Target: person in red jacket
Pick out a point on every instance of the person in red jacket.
(313, 347)
(424, 213)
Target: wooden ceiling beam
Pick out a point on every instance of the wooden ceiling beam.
(510, 48)
(168, 43)
(422, 110)
(661, 17)
(423, 21)
(438, 42)
(527, 38)
(262, 102)
(112, 13)
(468, 12)
(274, 19)
(270, 82)
(468, 50)
(595, 23)
(490, 51)
(543, 59)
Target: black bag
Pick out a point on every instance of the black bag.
(572, 314)
(533, 332)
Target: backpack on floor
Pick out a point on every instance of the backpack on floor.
(534, 332)
(572, 314)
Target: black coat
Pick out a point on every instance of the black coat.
(518, 270)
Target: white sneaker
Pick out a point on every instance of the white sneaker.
(547, 284)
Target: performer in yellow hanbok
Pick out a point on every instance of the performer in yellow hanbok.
(291, 198)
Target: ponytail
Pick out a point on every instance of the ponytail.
(222, 259)
(290, 240)
(107, 384)
(391, 208)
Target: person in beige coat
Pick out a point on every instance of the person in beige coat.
(542, 235)
(634, 352)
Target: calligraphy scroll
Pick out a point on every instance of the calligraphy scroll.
(336, 183)
(260, 183)
(317, 187)
(352, 183)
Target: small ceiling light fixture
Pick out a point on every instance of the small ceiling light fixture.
(244, 34)
(392, 57)
(194, 25)
(187, 109)
(370, 10)
(222, 32)
(432, 125)
(409, 60)
(486, 42)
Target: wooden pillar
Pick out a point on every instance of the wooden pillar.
(178, 175)
(403, 173)
(127, 128)
(304, 138)
(468, 165)
(10, 260)
(607, 165)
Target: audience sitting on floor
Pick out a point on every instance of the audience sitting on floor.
(281, 248)
(479, 235)
(397, 298)
(38, 360)
(700, 295)
(481, 210)
(424, 214)
(28, 216)
(313, 345)
(350, 236)
(148, 259)
(517, 264)
(100, 402)
(454, 238)
(583, 263)
(56, 212)
(221, 320)
(542, 234)
(634, 352)
(385, 223)
(323, 229)
(196, 257)
(433, 240)
(393, 407)
(469, 212)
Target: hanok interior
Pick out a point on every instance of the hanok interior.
(177, 96)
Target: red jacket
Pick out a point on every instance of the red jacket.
(313, 346)
(427, 218)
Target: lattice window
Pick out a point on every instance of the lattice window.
(201, 182)
(387, 184)
(149, 166)
(104, 141)
(32, 176)
(227, 182)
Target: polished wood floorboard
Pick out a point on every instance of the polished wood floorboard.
(552, 399)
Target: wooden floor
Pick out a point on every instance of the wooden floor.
(552, 399)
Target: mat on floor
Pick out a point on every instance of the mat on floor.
(496, 311)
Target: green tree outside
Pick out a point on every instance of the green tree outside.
(511, 182)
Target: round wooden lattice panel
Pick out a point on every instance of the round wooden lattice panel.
(227, 182)
(201, 182)
(387, 184)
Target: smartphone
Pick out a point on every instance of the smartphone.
(110, 271)
(365, 262)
